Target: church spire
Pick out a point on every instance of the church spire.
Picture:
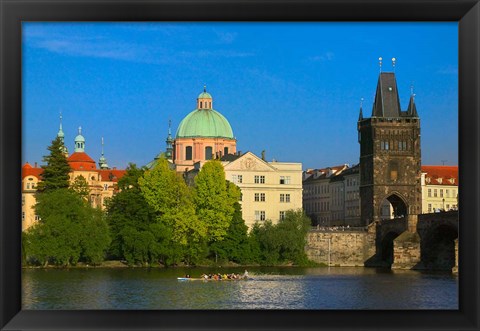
(169, 141)
(61, 135)
(102, 162)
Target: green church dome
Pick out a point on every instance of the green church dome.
(204, 123)
(204, 95)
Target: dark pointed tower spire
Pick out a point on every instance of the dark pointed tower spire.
(360, 116)
(412, 108)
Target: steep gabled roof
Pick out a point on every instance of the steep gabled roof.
(387, 102)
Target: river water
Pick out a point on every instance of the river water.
(272, 288)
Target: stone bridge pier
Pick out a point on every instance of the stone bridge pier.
(429, 241)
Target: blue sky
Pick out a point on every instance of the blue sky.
(291, 89)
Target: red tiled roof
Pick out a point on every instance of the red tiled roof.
(28, 170)
(111, 174)
(81, 161)
(434, 173)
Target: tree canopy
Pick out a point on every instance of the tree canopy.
(56, 171)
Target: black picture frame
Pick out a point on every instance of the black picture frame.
(14, 12)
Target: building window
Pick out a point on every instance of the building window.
(441, 193)
(429, 192)
(37, 218)
(23, 216)
(435, 193)
(282, 215)
(188, 153)
(259, 215)
(237, 179)
(259, 179)
(225, 151)
(28, 186)
(447, 192)
(260, 197)
(208, 153)
(285, 180)
(429, 207)
(201, 105)
(23, 200)
(105, 187)
(284, 197)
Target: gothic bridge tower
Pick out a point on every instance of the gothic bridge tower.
(390, 160)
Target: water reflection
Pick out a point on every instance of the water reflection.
(273, 288)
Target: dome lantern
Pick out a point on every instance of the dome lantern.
(204, 121)
(204, 100)
(79, 142)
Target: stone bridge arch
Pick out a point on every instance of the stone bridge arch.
(439, 240)
(398, 206)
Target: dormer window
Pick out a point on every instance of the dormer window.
(452, 180)
(439, 180)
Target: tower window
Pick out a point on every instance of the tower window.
(188, 153)
(201, 105)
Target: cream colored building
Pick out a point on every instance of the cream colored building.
(269, 189)
(439, 188)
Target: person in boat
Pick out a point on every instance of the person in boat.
(187, 276)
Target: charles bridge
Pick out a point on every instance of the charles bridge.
(426, 241)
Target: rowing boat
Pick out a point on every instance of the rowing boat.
(184, 279)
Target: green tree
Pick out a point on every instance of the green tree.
(168, 195)
(235, 246)
(214, 199)
(80, 185)
(56, 171)
(128, 214)
(69, 230)
(292, 232)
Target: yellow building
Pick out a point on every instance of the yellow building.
(439, 188)
(268, 188)
(102, 181)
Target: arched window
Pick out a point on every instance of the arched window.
(208, 153)
(201, 105)
(188, 153)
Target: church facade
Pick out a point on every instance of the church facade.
(102, 180)
(268, 188)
